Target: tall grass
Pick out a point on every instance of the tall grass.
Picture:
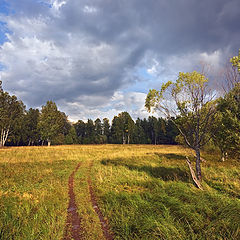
(144, 191)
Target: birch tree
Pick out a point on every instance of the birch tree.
(11, 110)
(191, 103)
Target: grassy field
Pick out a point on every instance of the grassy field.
(144, 191)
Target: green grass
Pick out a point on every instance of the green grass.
(144, 191)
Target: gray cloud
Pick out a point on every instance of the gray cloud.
(72, 51)
(170, 27)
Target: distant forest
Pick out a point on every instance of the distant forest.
(21, 127)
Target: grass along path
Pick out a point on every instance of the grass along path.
(144, 191)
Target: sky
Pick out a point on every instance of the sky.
(97, 58)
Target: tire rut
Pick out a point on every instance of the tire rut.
(104, 225)
(73, 228)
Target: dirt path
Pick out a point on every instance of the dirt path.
(104, 225)
(74, 229)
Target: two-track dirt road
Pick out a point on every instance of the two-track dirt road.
(74, 228)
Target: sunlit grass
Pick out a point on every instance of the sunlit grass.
(144, 191)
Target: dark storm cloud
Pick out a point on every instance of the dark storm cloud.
(65, 50)
(167, 26)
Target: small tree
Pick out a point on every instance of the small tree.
(190, 102)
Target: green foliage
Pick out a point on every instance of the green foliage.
(152, 99)
(188, 93)
(122, 128)
(11, 114)
(80, 130)
(51, 122)
(100, 137)
(98, 126)
(71, 137)
(171, 132)
(139, 135)
(90, 132)
(227, 133)
(106, 129)
(30, 123)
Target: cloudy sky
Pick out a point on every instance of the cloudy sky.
(96, 58)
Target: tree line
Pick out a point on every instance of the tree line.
(21, 127)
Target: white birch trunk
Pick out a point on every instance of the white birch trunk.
(124, 140)
(4, 136)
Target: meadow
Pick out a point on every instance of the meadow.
(143, 191)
